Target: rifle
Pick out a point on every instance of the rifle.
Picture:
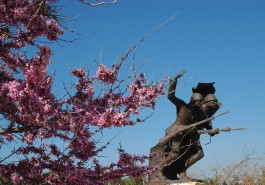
(187, 128)
(217, 130)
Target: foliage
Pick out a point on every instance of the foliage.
(5, 181)
(244, 175)
(33, 118)
(129, 181)
(244, 172)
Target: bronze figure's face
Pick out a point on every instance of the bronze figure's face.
(196, 99)
(211, 104)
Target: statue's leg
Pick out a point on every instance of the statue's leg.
(190, 161)
(194, 158)
(198, 154)
(171, 157)
(172, 171)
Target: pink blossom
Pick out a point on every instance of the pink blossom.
(20, 13)
(14, 88)
(53, 30)
(82, 148)
(29, 138)
(105, 74)
(89, 91)
(45, 51)
(47, 108)
(80, 73)
(16, 178)
(2, 171)
(10, 137)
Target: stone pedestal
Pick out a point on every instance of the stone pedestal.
(173, 182)
(156, 154)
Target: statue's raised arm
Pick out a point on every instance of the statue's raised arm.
(172, 89)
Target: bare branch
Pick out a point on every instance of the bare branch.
(98, 4)
(12, 153)
(147, 35)
(12, 130)
(248, 155)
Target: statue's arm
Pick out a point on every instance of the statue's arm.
(172, 89)
(209, 126)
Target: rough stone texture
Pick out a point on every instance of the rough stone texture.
(156, 157)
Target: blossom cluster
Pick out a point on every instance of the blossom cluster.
(105, 74)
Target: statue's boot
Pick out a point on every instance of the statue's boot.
(183, 177)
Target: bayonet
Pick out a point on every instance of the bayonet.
(217, 130)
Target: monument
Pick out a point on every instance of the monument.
(180, 148)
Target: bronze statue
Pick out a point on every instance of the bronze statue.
(181, 147)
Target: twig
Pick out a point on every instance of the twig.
(247, 157)
(64, 86)
(33, 17)
(147, 35)
(13, 152)
(98, 4)
(179, 156)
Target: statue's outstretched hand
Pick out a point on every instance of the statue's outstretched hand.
(180, 74)
(212, 134)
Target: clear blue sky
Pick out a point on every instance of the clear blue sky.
(221, 41)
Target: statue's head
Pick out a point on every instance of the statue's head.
(196, 99)
(210, 104)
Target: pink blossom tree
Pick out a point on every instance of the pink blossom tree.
(31, 115)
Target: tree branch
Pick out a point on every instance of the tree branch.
(12, 130)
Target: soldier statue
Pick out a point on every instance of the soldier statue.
(181, 147)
